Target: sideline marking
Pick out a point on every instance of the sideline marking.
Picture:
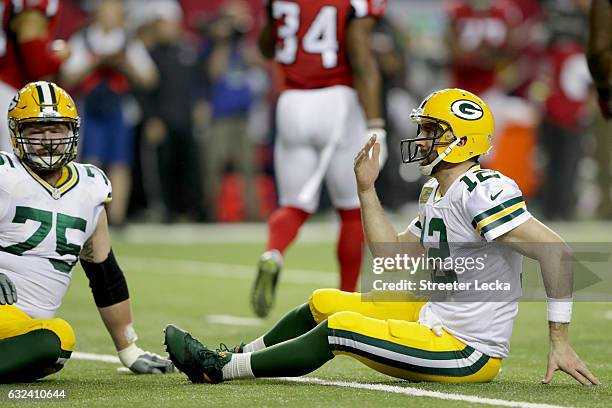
(233, 320)
(415, 392)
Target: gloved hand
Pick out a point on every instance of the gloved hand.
(144, 362)
(381, 138)
(8, 292)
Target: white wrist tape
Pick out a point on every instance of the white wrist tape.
(130, 354)
(376, 123)
(559, 310)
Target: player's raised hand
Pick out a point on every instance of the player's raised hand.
(563, 357)
(367, 166)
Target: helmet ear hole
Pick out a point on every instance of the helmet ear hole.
(462, 141)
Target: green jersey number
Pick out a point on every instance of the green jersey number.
(45, 218)
(481, 175)
(442, 252)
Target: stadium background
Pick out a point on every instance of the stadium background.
(549, 134)
(199, 275)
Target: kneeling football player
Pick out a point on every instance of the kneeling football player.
(416, 339)
(51, 215)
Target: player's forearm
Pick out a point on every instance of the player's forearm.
(535, 240)
(118, 321)
(367, 83)
(366, 76)
(555, 258)
(376, 225)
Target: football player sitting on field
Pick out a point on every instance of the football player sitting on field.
(418, 340)
(52, 215)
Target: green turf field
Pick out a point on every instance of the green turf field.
(188, 279)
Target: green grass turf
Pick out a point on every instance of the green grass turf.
(178, 292)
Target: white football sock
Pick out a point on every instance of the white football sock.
(255, 345)
(238, 367)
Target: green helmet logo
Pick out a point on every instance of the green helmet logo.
(467, 110)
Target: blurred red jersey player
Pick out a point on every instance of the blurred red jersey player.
(26, 51)
(329, 107)
(478, 37)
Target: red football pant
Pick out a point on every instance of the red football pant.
(285, 223)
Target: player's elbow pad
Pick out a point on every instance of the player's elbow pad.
(106, 281)
(37, 60)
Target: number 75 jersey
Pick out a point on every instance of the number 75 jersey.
(311, 39)
(43, 228)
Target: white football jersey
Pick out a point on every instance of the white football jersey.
(42, 229)
(479, 206)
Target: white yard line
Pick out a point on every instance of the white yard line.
(608, 315)
(221, 270)
(105, 358)
(233, 320)
(417, 392)
(395, 389)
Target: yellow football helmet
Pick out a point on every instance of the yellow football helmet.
(43, 102)
(464, 128)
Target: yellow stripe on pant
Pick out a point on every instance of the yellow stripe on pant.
(14, 322)
(386, 337)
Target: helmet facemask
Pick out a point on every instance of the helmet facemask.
(46, 153)
(411, 153)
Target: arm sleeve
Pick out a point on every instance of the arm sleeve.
(496, 206)
(369, 8)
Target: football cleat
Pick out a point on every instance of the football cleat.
(264, 289)
(193, 358)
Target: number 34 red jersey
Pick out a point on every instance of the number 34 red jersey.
(311, 39)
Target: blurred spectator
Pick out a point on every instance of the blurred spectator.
(485, 40)
(168, 113)
(566, 81)
(229, 68)
(26, 51)
(479, 40)
(105, 63)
